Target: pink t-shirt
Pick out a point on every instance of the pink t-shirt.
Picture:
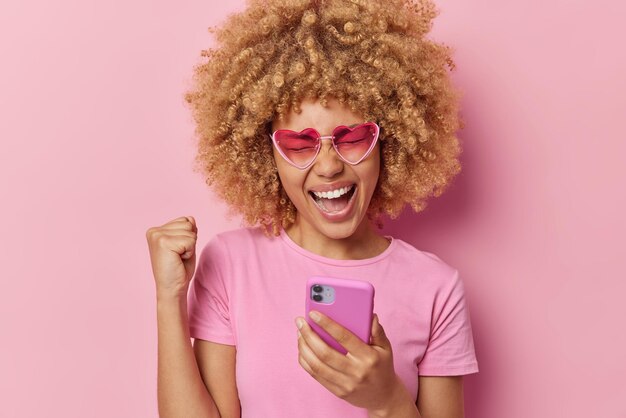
(248, 289)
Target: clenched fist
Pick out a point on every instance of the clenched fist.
(173, 255)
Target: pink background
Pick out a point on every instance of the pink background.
(97, 147)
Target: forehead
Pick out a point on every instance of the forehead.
(314, 115)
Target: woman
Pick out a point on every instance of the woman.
(314, 119)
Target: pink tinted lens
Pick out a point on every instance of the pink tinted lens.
(299, 148)
(354, 143)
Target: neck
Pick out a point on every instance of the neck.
(363, 243)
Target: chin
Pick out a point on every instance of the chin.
(338, 231)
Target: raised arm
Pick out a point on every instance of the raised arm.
(217, 367)
(181, 390)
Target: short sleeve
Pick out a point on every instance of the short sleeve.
(450, 350)
(208, 297)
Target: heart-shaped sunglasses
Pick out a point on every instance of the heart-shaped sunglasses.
(353, 144)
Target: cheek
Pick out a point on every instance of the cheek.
(371, 172)
(291, 178)
(374, 175)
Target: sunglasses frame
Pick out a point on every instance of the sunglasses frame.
(318, 146)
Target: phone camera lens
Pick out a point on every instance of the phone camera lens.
(317, 288)
(317, 298)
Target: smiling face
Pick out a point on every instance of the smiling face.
(331, 196)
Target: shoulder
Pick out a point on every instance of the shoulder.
(225, 250)
(237, 236)
(432, 270)
(428, 261)
(240, 242)
(245, 234)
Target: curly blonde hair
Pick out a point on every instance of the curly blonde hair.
(371, 56)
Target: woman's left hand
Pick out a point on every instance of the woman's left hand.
(364, 377)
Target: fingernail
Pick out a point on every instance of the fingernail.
(315, 316)
(299, 323)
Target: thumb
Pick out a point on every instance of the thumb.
(379, 338)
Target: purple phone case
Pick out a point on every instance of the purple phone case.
(353, 307)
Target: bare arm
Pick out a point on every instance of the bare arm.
(186, 386)
(217, 367)
(440, 397)
(180, 389)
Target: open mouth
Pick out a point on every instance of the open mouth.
(334, 201)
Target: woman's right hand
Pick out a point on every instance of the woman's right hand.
(173, 255)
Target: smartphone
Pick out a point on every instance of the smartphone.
(349, 302)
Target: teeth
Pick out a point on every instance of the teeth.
(333, 194)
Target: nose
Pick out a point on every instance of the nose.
(327, 163)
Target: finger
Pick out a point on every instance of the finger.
(183, 222)
(182, 243)
(342, 335)
(320, 371)
(379, 338)
(172, 232)
(322, 351)
(162, 237)
(328, 384)
(180, 219)
(193, 222)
